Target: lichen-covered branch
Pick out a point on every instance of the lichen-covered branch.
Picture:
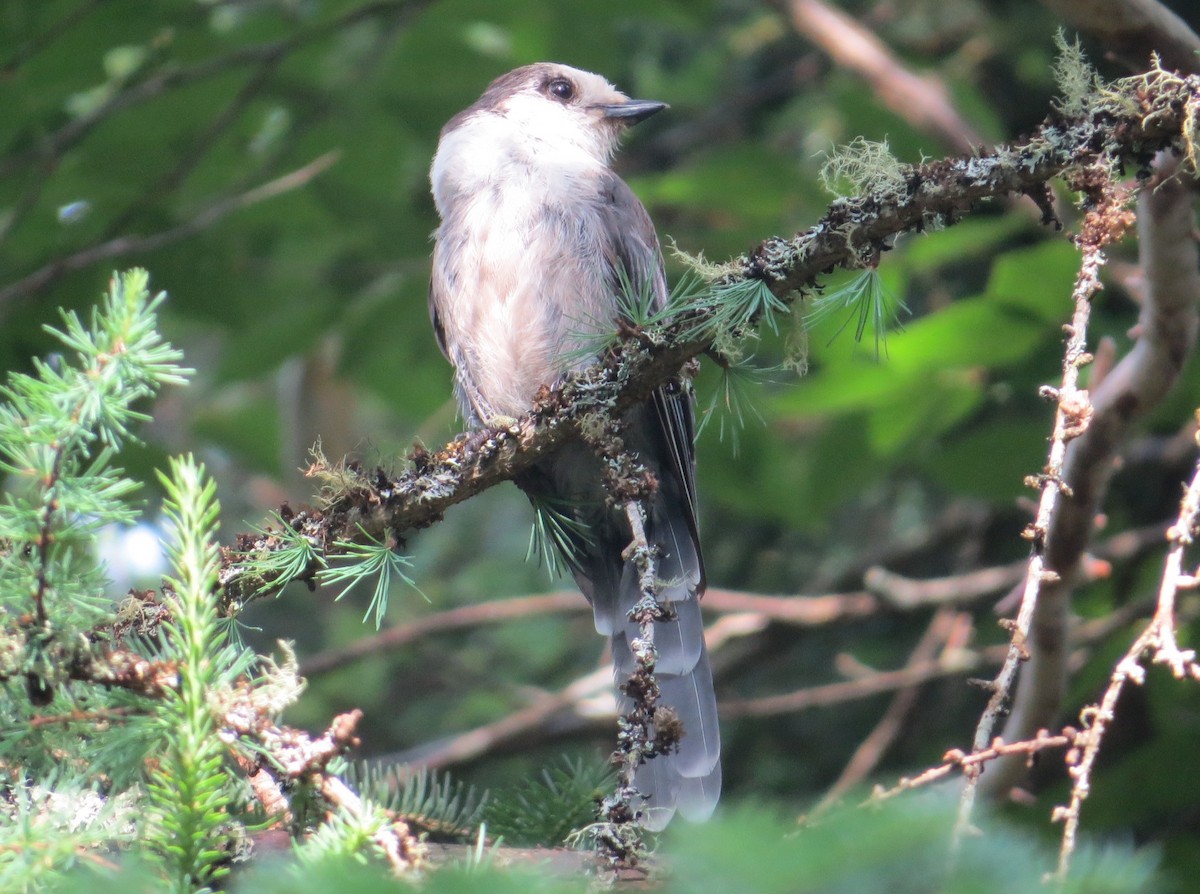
(1124, 127)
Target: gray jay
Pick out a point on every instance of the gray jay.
(537, 234)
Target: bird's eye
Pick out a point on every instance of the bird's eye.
(561, 88)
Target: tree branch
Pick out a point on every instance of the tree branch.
(1133, 29)
(922, 100)
(1159, 641)
(1156, 109)
(1105, 222)
(1166, 334)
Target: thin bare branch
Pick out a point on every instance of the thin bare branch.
(921, 100)
(1104, 222)
(947, 665)
(1166, 334)
(1158, 641)
(1133, 29)
(463, 617)
(871, 750)
(973, 762)
(589, 696)
(903, 592)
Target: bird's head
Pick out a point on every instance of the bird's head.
(545, 113)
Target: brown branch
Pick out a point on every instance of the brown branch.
(463, 617)
(1105, 222)
(99, 716)
(973, 763)
(1166, 334)
(921, 100)
(474, 743)
(903, 592)
(585, 695)
(577, 696)
(1133, 29)
(796, 611)
(118, 669)
(948, 665)
(1159, 641)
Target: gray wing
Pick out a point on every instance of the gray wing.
(438, 330)
(663, 432)
(636, 250)
(438, 285)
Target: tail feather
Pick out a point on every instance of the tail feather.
(689, 779)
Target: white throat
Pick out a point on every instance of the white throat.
(530, 143)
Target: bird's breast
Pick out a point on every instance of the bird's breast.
(529, 285)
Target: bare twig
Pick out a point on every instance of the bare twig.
(971, 763)
(1166, 334)
(1103, 223)
(947, 665)
(1159, 641)
(903, 592)
(481, 740)
(99, 717)
(797, 611)
(589, 695)
(463, 617)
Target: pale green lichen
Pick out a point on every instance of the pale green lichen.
(864, 166)
(1077, 80)
(707, 270)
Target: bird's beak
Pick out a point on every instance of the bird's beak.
(631, 111)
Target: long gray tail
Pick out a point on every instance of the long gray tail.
(688, 780)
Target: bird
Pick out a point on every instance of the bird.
(538, 237)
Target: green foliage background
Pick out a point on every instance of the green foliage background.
(305, 317)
